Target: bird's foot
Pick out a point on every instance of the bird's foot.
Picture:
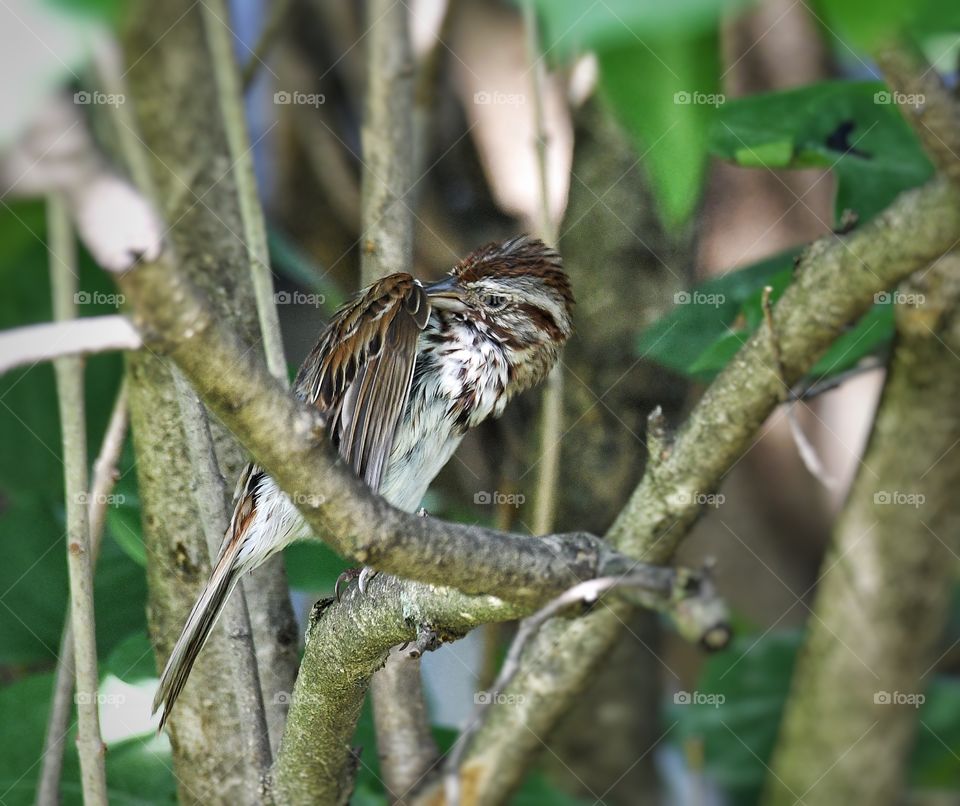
(362, 575)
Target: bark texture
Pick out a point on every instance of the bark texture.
(175, 119)
(886, 582)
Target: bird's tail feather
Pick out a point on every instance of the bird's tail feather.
(197, 629)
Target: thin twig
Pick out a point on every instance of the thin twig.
(229, 94)
(817, 388)
(654, 583)
(58, 721)
(387, 223)
(25, 346)
(268, 37)
(551, 408)
(808, 453)
(210, 494)
(70, 396)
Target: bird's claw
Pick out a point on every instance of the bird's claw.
(362, 575)
(366, 575)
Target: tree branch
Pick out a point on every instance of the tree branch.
(69, 372)
(551, 409)
(229, 93)
(587, 592)
(348, 642)
(211, 498)
(25, 346)
(925, 103)
(884, 595)
(61, 703)
(387, 136)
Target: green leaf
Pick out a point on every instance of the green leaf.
(775, 154)
(874, 331)
(850, 127)
(660, 72)
(665, 93)
(706, 315)
(572, 26)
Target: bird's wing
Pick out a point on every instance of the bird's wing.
(360, 374)
(361, 371)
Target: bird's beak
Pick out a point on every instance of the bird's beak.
(446, 294)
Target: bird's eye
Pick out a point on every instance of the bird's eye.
(494, 301)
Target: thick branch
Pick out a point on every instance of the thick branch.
(884, 596)
(347, 643)
(212, 501)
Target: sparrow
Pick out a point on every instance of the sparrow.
(401, 372)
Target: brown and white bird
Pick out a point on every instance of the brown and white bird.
(403, 371)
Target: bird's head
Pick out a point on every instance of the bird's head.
(517, 294)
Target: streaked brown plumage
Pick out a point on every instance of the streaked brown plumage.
(402, 371)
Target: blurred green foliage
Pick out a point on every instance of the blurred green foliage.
(734, 715)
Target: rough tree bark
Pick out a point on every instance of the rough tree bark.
(169, 73)
(887, 579)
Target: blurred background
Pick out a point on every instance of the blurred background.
(692, 145)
